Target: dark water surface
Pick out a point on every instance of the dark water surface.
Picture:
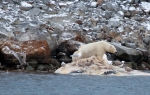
(19, 83)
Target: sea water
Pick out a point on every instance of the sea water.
(20, 83)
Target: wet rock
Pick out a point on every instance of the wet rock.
(29, 68)
(33, 63)
(127, 54)
(55, 63)
(43, 68)
(144, 66)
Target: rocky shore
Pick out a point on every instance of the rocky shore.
(38, 35)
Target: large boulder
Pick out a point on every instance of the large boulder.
(127, 54)
(17, 52)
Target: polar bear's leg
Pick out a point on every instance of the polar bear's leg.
(99, 58)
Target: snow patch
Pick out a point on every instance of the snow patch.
(132, 8)
(93, 4)
(147, 25)
(25, 4)
(55, 15)
(145, 6)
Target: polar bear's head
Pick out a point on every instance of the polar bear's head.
(111, 49)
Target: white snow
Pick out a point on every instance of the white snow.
(25, 4)
(124, 7)
(147, 25)
(62, 4)
(131, 8)
(55, 15)
(93, 4)
(121, 13)
(52, 2)
(145, 6)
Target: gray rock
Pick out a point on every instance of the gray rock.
(29, 68)
(107, 14)
(114, 22)
(33, 63)
(17, 1)
(146, 40)
(127, 54)
(41, 6)
(127, 14)
(130, 45)
(43, 68)
(34, 12)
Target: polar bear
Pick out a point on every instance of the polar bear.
(97, 49)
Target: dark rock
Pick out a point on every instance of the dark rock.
(127, 54)
(55, 63)
(148, 60)
(130, 45)
(65, 59)
(132, 65)
(146, 40)
(29, 68)
(79, 22)
(43, 68)
(33, 63)
(127, 14)
(144, 66)
(144, 52)
(109, 72)
(107, 14)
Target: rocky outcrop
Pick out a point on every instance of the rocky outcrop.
(127, 54)
(32, 52)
